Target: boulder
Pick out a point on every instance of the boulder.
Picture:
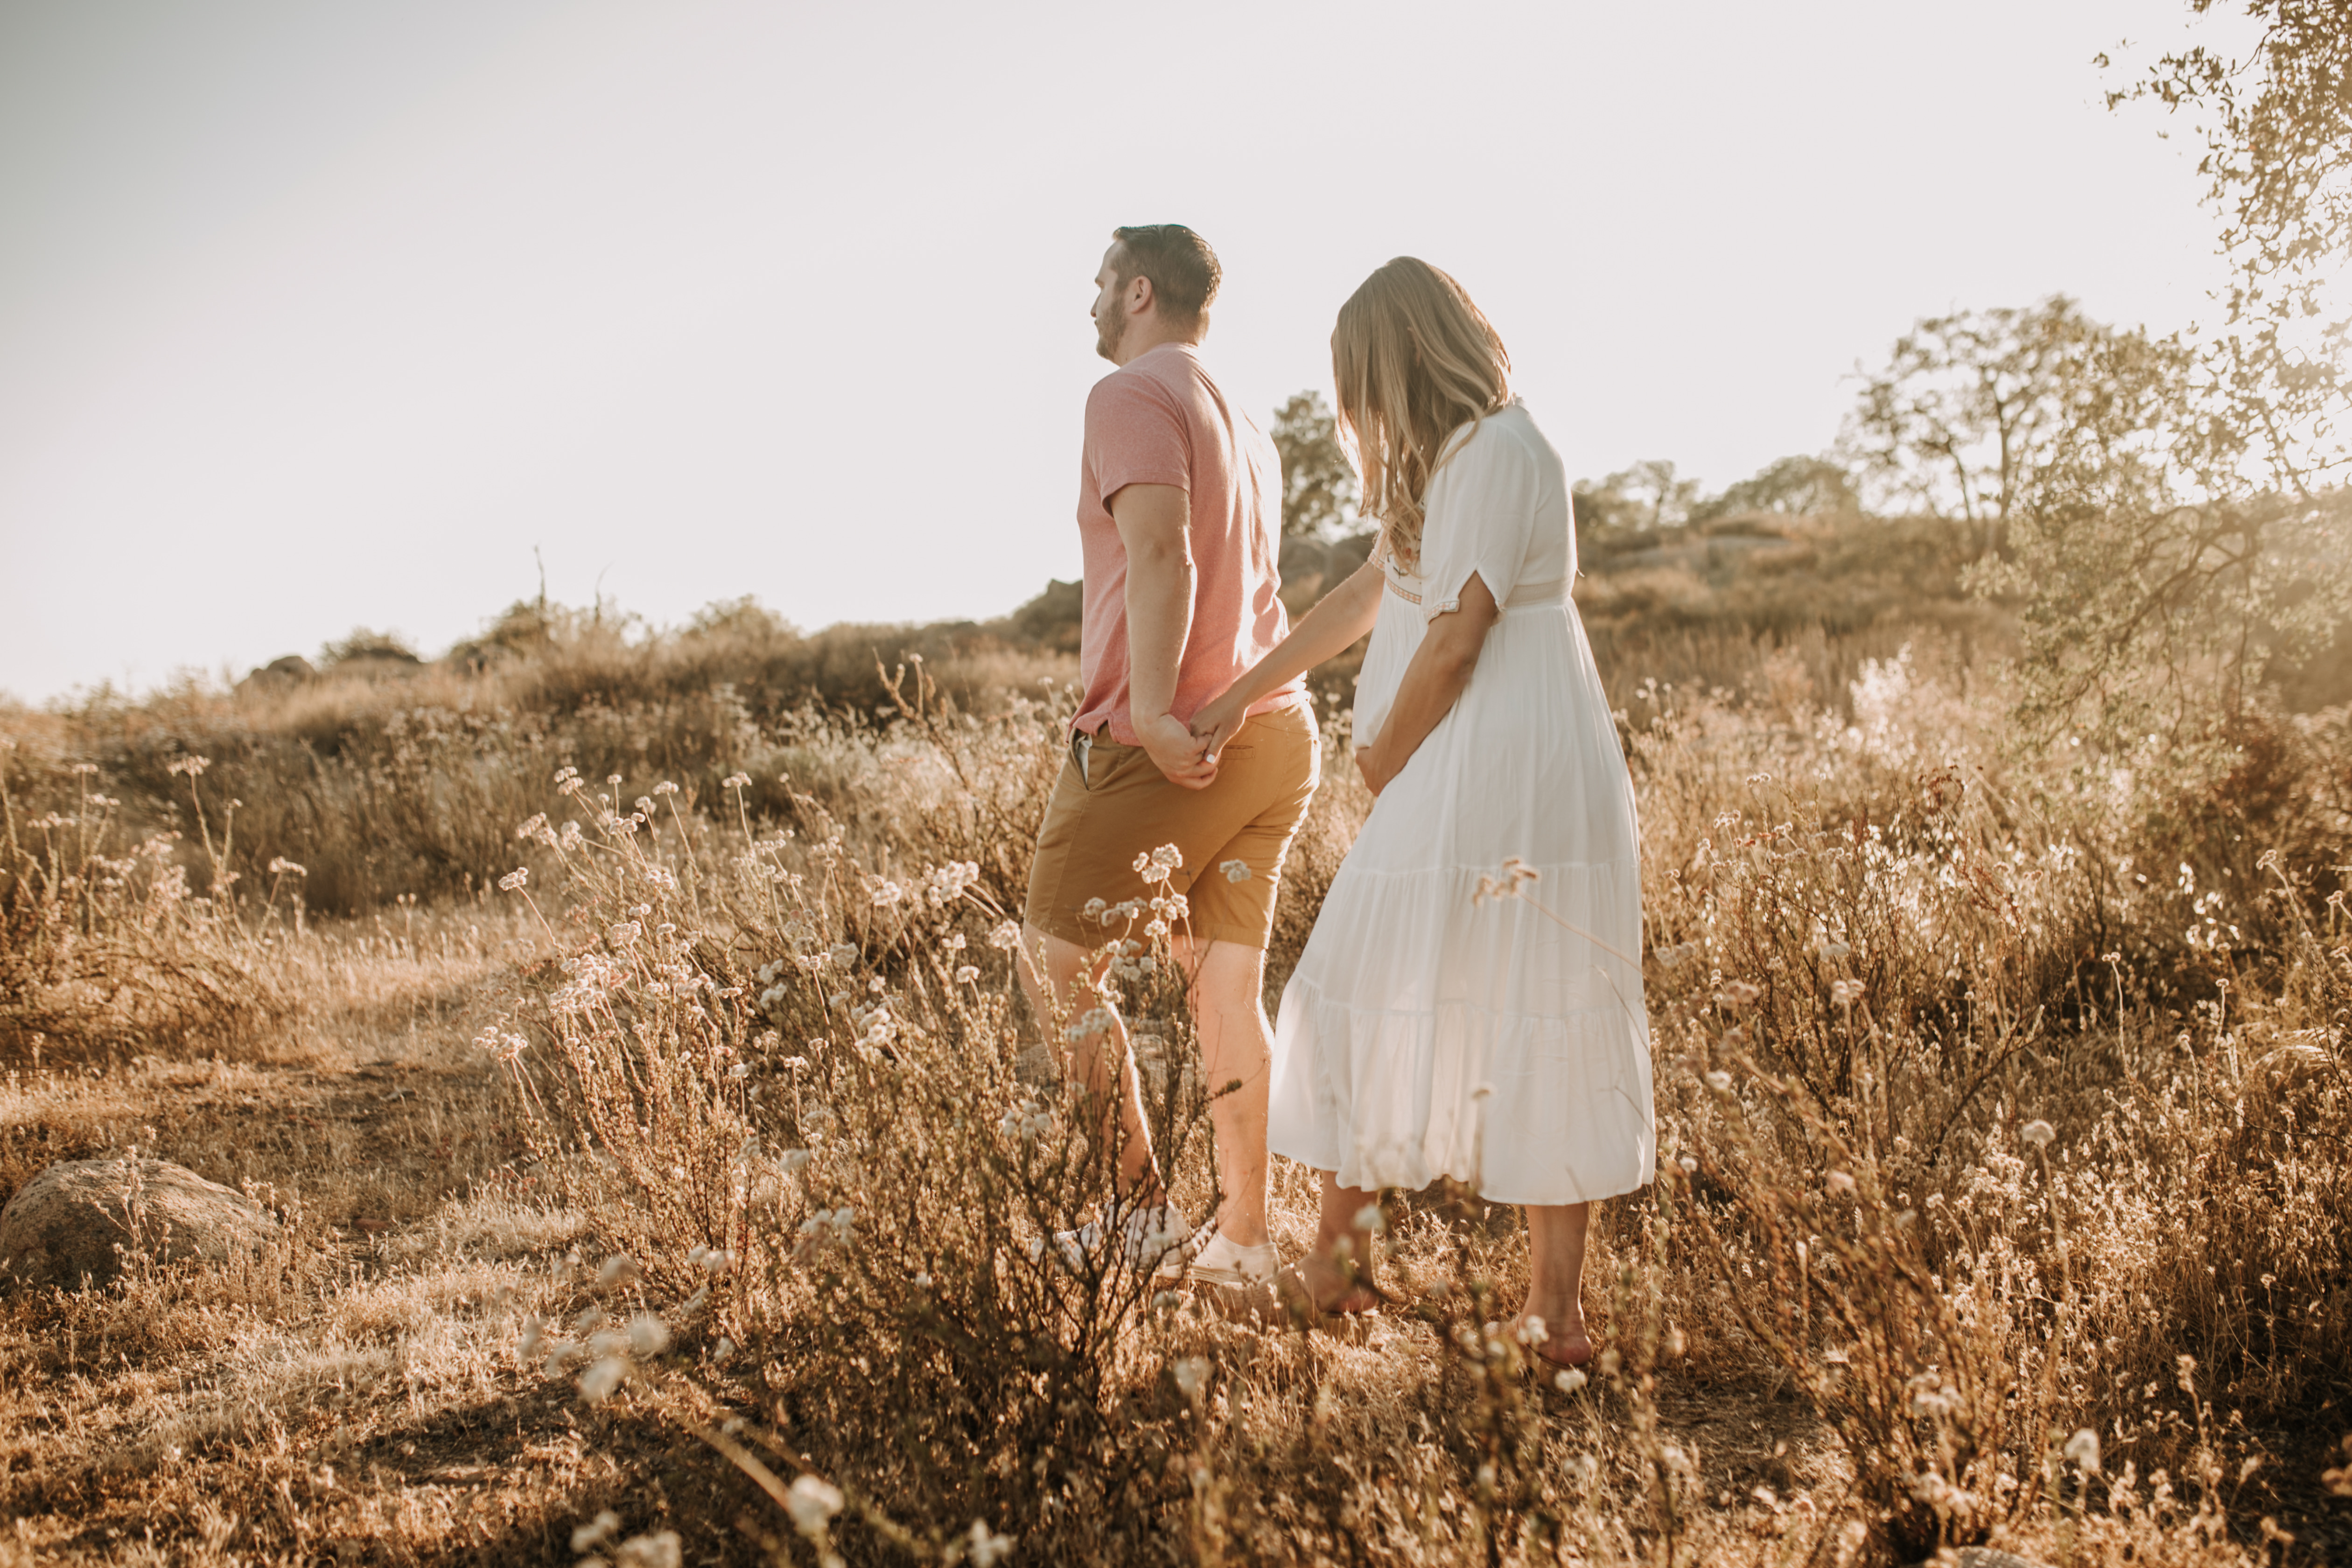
(66, 1224)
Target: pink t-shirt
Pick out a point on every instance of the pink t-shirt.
(1160, 420)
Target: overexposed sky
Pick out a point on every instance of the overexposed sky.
(315, 316)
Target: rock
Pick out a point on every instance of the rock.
(65, 1223)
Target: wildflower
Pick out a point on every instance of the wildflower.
(1189, 1374)
(1719, 1081)
(955, 943)
(1237, 871)
(191, 766)
(1095, 1020)
(1831, 951)
(596, 1529)
(966, 973)
(1005, 936)
(1370, 1218)
(2040, 1134)
(1688, 1163)
(1569, 1380)
(648, 1335)
(841, 955)
(282, 866)
(1096, 910)
(619, 1270)
(1838, 1181)
(812, 1503)
(514, 880)
(661, 879)
(2082, 1449)
(733, 780)
(792, 1160)
(660, 1550)
(739, 1071)
(665, 787)
(985, 1549)
(1738, 993)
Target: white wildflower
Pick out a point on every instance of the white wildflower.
(602, 1376)
(1237, 871)
(2040, 1134)
(595, 1529)
(514, 880)
(2082, 1449)
(813, 1503)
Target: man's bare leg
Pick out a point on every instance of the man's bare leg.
(1098, 1059)
(1228, 990)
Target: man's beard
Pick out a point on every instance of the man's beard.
(1107, 333)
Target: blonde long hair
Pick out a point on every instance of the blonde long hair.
(1413, 360)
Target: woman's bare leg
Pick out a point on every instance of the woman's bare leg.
(1338, 1271)
(1556, 1278)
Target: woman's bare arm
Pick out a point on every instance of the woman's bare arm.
(1432, 683)
(1338, 619)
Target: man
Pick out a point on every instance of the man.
(1180, 507)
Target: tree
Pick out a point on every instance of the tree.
(1966, 406)
(2278, 158)
(1646, 495)
(1791, 485)
(1319, 488)
(2176, 528)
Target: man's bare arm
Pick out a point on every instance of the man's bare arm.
(1155, 525)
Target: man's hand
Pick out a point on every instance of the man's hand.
(1176, 750)
(1219, 722)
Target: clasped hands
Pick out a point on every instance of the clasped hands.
(1187, 754)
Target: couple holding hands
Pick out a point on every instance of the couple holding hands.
(1428, 1031)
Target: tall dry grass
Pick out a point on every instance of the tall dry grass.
(2002, 1098)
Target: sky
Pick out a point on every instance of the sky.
(315, 316)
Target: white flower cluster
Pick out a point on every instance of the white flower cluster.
(514, 880)
(1156, 866)
(943, 885)
(829, 1224)
(1006, 937)
(1093, 1021)
(1026, 1122)
(505, 1047)
(593, 977)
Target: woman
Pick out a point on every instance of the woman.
(1429, 1031)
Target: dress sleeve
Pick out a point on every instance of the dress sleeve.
(1478, 516)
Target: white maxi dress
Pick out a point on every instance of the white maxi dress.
(1426, 1034)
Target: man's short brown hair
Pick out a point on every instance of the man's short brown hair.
(1183, 268)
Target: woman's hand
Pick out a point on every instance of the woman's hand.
(1374, 767)
(1219, 721)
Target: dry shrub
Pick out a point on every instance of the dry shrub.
(104, 945)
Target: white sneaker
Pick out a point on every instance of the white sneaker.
(1156, 1240)
(1223, 1262)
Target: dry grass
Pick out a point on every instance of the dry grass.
(724, 1035)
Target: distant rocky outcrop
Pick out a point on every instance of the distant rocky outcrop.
(80, 1220)
(280, 674)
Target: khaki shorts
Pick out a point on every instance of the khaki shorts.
(1112, 803)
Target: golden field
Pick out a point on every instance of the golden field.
(2004, 1094)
